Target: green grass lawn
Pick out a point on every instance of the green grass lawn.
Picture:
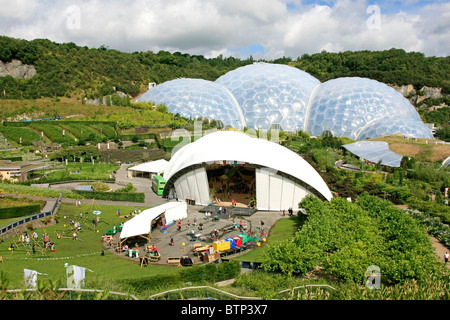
(85, 171)
(84, 252)
(107, 269)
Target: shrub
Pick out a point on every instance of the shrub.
(197, 274)
(346, 238)
(113, 196)
(19, 211)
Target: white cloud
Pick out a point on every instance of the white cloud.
(224, 26)
(18, 10)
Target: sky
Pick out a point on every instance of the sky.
(265, 29)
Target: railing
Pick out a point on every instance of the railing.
(234, 211)
(205, 288)
(29, 218)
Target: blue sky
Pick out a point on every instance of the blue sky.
(266, 29)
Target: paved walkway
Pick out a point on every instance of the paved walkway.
(162, 239)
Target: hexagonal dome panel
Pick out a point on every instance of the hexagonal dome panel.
(193, 98)
(354, 102)
(271, 94)
(386, 126)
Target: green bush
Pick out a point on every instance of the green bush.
(129, 188)
(113, 196)
(14, 212)
(196, 275)
(345, 238)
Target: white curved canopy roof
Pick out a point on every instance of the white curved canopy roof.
(237, 146)
(156, 166)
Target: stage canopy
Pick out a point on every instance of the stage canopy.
(142, 223)
(282, 177)
(156, 167)
(375, 151)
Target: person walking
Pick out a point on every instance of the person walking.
(446, 257)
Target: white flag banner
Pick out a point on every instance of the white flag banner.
(76, 276)
(30, 277)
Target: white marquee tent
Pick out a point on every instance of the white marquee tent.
(142, 223)
(152, 167)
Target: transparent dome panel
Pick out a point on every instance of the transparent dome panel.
(271, 94)
(387, 126)
(193, 98)
(352, 103)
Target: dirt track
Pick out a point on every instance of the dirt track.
(440, 249)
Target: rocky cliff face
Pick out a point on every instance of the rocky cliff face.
(17, 69)
(416, 97)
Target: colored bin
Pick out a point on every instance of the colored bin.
(221, 245)
(244, 238)
(232, 242)
(238, 241)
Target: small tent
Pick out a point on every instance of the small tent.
(142, 223)
(151, 168)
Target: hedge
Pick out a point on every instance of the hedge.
(14, 134)
(113, 196)
(14, 212)
(141, 136)
(57, 122)
(12, 159)
(196, 274)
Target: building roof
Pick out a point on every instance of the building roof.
(237, 146)
(20, 167)
(156, 166)
(375, 151)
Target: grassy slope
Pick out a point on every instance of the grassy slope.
(85, 252)
(422, 149)
(48, 107)
(282, 230)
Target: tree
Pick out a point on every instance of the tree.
(162, 108)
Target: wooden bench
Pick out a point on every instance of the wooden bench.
(173, 260)
(153, 258)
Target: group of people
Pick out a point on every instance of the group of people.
(290, 212)
(26, 241)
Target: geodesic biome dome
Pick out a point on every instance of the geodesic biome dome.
(345, 106)
(265, 96)
(271, 94)
(194, 98)
(387, 126)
